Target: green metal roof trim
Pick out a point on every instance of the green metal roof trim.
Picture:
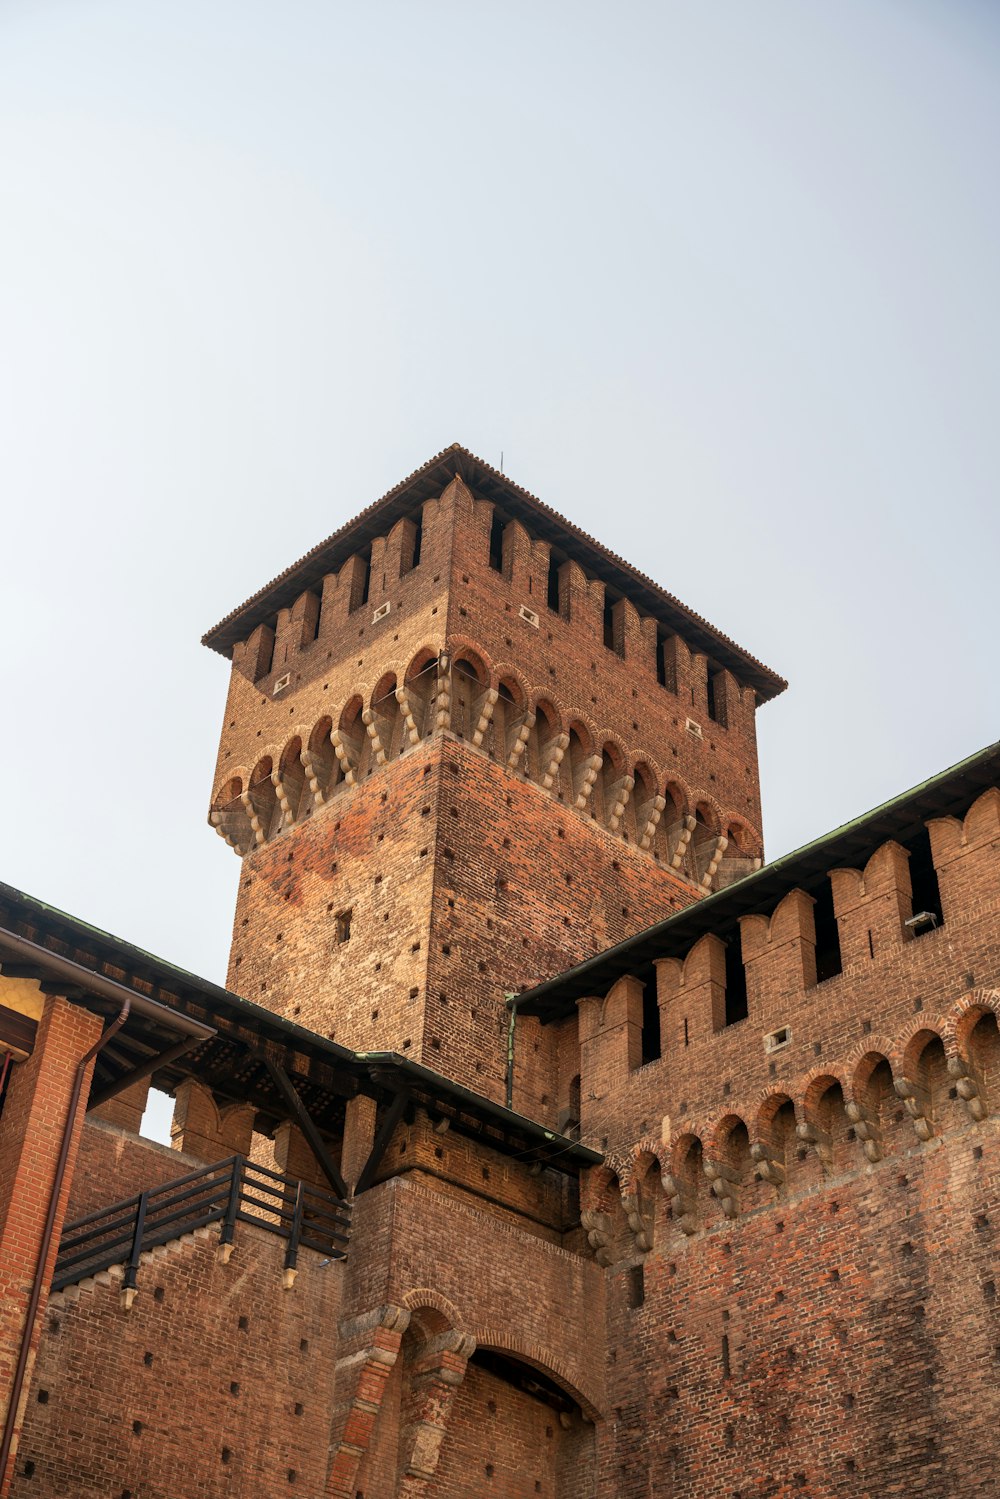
(393, 1071)
(434, 1081)
(949, 793)
(429, 480)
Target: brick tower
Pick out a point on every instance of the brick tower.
(466, 747)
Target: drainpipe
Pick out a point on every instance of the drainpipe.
(511, 1001)
(47, 1234)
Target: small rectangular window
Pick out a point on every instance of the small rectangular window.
(636, 1286)
(496, 543)
(736, 982)
(342, 926)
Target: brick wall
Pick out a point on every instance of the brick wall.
(217, 1382)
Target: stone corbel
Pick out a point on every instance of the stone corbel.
(682, 1203)
(967, 1088)
(259, 831)
(591, 767)
(916, 1102)
(724, 1181)
(485, 716)
(688, 826)
(637, 1224)
(866, 1130)
(313, 767)
(557, 750)
(521, 739)
(598, 1230)
(721, 844)
(442, 695)
(360, 1381)
(371, 724)
(652, 821)
(218, 822)
(343, 758)
(617, 812)
(406, 709)
(816, 1139)
(437, 1374)
(284, 791)
(766, 1166)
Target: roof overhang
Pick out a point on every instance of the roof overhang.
(181, 1026)
(426, 483)
(949, 794)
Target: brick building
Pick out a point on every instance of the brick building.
(544, 1139)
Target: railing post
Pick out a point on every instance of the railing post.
(127, 1295)
(292, 1252)
(229, 1221)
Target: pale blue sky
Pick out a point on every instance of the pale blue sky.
(719, 279)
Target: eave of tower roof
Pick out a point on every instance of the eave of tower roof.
(426, 482)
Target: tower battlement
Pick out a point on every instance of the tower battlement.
(455, 682)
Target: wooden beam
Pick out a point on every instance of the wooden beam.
(380, 1144)
(284, 1085)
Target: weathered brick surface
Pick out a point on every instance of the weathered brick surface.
(175, 1397)
(36, 1120)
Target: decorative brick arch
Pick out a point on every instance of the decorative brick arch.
(462, 645)
(537, 1356)
(721, 1128)
(686, 804)
(608, 736)
(961, 1020)
(680, 1149)
(879, 1046)
(698, 798)
(426, 1296)
(647, 1150)
(419, 662)
(504, 672)
(815, 1084)
(916, 1035)
(768, 1109)
(748, 841)
(584, 730)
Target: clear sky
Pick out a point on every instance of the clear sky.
(718, 279)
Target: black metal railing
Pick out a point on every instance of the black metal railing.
(228, 1192)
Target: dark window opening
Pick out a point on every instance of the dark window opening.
(318, 615)
(924, 884)
(523, 1377)
(553, 586)
(571, 1128)
(636, 1286)
(716, 697)
(828, 960)
(651, 1050)
(505, 693)
(342, 926)
(666, 663)
(418, 537)
(496, 543)
(609, 623)
(364, 583)
(736, 983)
(266, 658)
